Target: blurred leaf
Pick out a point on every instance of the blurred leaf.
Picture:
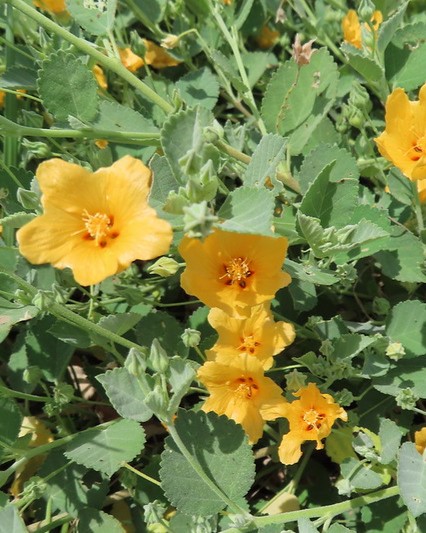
(221, 449)
(409, 77)
(162, 326)
(119, 324)
(19, 78)
(304, 525)
(199, 87)
(338, 445)
(388, 28)
(113, 116)
(264, 162)
(106, 449)
(256, 63)
(412, 478)
(303, 294)
(390, 439)
(359, 475)
(11, 521)
(67, 87)
(11, 313)
(95, 19)
(10, 421)
(8, 258)
(407, 324)
(125, 394)
(310, 273)
(71, 334)
(405, 374)
(368, 68)
(95, 521)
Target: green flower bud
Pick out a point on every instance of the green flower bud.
(395, 351)
(191, 337)
(366, 9)
(164, 267)
(158, 357)
(63, 393)
(359, 98)
(34, 488)
(28, 199)
(32, 375)
(356, 118)
(176, 202)
(158, 402)
(295, 380)
(135, 363)
(43, 300)
(406, 399)
(154, 512)
(40, 149)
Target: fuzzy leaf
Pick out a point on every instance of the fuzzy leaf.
(11, 313)
(116, 117)
(264, 162)
(94, 16)
(221, 449)
(199, 87)
(106, 449)
(10, 421)
(410, 77)
(11, 521)
(405, 374)
(407, 324)
(390, 438)
(67, 87)
(412, 478)
(95, 521)
(369, 69)
(388, 28)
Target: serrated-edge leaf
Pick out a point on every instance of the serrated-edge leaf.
(267, 156)
(388, 28)
(407, 324)
(412, 478)
(367, 67)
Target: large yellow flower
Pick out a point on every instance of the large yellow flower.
(258, 336)
(240, 391)
(94, 223)
(404, 140)
(234, 271)
(352, 29)
(420, 440)
(310, 418)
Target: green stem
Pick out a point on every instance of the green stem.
(109, 63)
(201, 473)
(141, 474)
(42, 527)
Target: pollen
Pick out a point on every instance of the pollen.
(237, 271)
(245, 388)
(313, 419)
(99, 228)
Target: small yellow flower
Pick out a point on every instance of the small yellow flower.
(130, 60)
(420, 440)
(54, 6)
(94, 223)
(257, 336)
(234, 271)
(100, 77)
(404, 140)
(310, 418)
(240, 391)
(352, 30)
(267, 37)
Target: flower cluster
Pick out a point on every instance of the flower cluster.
(237, 275)
(94, 223)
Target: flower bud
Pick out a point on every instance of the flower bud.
(158, 357)
(191, 337)
(34, 489)
(326, 348)
(406, 399)
(164, 267)
(40, 149)
(135, 363)
(395, 351)
(366, 9)
(28, 199)
(63, 393)
(158, 402)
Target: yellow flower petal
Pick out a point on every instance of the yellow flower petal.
(157, 57)
(130, 60)
(352, 30)
(420, 440)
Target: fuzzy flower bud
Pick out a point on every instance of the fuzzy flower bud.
(395, 351)
(191, 337)
(164, 267)
(158, 357)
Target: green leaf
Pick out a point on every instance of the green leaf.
(182, 133)
(303, 294)
(390, 437)
(412, 478)
(407, 324)
(19, 78)
(256, 63)
(163, 327)
(368, 68)
(67, 87)
(403, 189)
(181, 374)
(11, 521)
(229, 69)
(220, 448)
(359, 475)
(11, 313)
(199, 87)
(332, 203)
(95, 521)
(125, 394)
(349, 345)
(113, 116)
(10, 421)
(403, 258)
(314, 163)
(405, 374)
(310, 273)
(71, 334)
(251, 211)
(94, 16)
(388, 28)
(10, 182)
(8, 258)
(304, 525)
(72, 487)
(106, 449)
(264, 162)
(409, 77)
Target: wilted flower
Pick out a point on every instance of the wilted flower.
(352, 29)
(310, 418)
(94, 223)
(404, 140)
(234, 271)
(302, 52)
(130, 60)
(240, 391)
(420, 440)
(258, 336)
(157, 57)
(100, 77)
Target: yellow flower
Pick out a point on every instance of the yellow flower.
(94, 223)
(267, 37)
(310, 418)
(258, 336)
(157, 57)
(404, 140)
(130, 60)
(420, 440)
(352, 30)
(240, 391)
(100, 77)
(421, 189)
(54, 6)
(234, 271)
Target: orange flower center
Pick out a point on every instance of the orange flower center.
(237, 271)
(99, 228)
(312, 419)
(248, 344)
(245, 388)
